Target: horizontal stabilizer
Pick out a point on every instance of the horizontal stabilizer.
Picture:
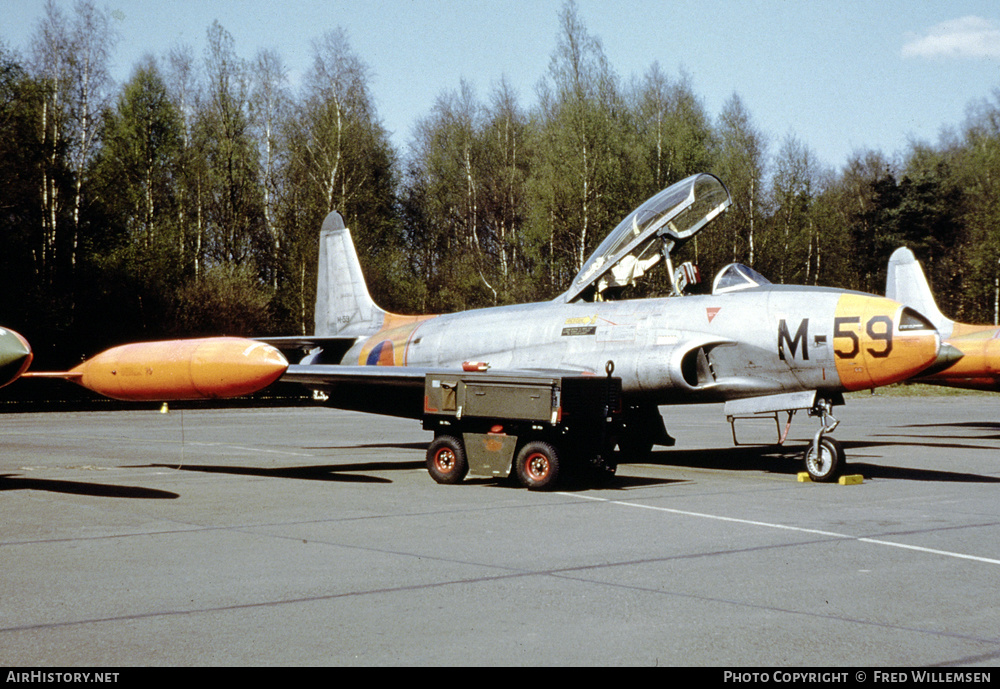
(307, 341)
(320, 350)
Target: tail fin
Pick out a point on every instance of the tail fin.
(907, 284)
(343, 305)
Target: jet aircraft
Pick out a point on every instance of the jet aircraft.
(15, 356)
(975, 349)
(757, 345)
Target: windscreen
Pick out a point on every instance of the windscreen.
(737, 276)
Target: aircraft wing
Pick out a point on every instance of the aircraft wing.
(333, 374)
(391, 390)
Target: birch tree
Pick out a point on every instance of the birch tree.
(69, 59)
(91, 41)
(674, 131)
(507, 164)
(446, 166)
(340, 158)
(584, 157)
(793, 191)
(50, 46)
(137, 162)
(234, 217)
(181, 79)
(741, 163)
(269, 106)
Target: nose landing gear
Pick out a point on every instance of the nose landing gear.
(824, 458)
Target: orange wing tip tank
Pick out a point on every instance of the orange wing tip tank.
(15, 356)
(171, 370)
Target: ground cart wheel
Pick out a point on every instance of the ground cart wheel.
(446, 460)
(828, 464)
(538, 465)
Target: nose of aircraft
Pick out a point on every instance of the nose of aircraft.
(15, 356)
(878, 341)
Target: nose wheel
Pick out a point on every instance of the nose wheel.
(825, 462)
(824, 458)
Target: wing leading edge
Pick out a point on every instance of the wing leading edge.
(388, 390)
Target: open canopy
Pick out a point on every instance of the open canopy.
(649, 233)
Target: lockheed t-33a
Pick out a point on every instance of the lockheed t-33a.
(759, 347)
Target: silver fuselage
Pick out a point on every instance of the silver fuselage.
(689, 349)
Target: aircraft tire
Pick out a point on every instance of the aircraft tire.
(828, 465)
(538, 465)
(446, 461)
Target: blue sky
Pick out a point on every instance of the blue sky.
(841, 75)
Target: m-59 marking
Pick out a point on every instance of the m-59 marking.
(878, 328)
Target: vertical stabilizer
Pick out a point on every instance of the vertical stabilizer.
(906, 283)
(343, 305)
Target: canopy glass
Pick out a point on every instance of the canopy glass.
(650, 233)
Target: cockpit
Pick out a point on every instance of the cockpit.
(736, 277)
(650, 234)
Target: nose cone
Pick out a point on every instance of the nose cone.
(15, 356)
(879, 341)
